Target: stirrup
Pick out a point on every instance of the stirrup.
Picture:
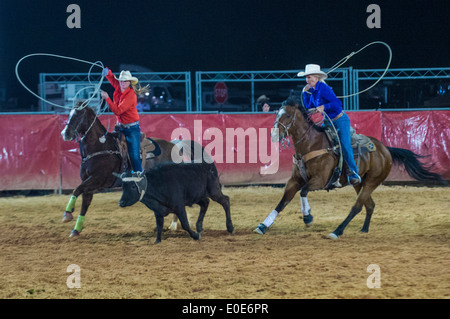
(355, 179)
(337, 184)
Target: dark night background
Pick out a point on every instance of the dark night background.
(227, 35)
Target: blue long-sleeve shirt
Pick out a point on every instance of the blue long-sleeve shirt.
(323, 95)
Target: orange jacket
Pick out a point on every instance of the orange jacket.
(124, 104)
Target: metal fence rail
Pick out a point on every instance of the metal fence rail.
(348, 81)
(252, 77)
(63, 80)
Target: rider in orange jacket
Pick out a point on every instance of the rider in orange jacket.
(123, 106)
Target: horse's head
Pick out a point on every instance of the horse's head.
(285, 120)
(80, 120)
(134, 186)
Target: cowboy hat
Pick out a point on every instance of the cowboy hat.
(126, 76)
(313, 69)
(261, 99)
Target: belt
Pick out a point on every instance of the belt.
(127, 125)
(337, 117)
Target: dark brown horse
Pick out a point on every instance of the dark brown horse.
(102, 153)
(318, 161)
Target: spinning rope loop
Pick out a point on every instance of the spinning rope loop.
(345, 59)
(95, 86)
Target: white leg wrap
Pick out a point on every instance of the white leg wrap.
(305, 206)
(271, 218)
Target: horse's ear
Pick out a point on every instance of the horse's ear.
(290, 102)
(81, 103)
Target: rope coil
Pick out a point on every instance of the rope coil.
(95, 86)
(345, 59)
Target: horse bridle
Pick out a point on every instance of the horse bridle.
(286, 127)
(77, 134)
(76, 129)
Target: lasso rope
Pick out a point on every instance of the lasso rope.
(85, 103)
(345, 59)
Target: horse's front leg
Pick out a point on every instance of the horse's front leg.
(68, 214)
(87, 199)
(305, 208)
(292, 187)
(87, 187)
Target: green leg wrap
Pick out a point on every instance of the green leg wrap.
(71, 205)
(79, 224)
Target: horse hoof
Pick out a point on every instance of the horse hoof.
(261, 229)
(333, 236)
(308, 220)
(67, 217)
(74, 233)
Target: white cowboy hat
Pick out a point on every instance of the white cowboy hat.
(313, 69)
(126, 76)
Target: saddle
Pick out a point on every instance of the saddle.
(360, 144)
(149, 148)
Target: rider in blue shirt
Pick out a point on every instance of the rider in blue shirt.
(317, 94)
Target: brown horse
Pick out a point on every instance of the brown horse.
(103, 153)
(318, 159)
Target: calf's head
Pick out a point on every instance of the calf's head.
(133, 188)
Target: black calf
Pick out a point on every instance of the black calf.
(169, 188)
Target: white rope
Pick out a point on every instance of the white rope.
(345, 59)
(85, 103)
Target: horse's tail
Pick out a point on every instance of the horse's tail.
(413, 166)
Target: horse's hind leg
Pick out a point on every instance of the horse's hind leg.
(370, 206)
(363, 198)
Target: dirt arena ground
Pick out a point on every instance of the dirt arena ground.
(409, 240)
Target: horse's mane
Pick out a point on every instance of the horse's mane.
(291, 101)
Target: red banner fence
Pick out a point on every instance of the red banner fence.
(33, 154)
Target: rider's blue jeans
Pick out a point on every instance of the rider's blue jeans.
(133, 137)
(342, 124)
